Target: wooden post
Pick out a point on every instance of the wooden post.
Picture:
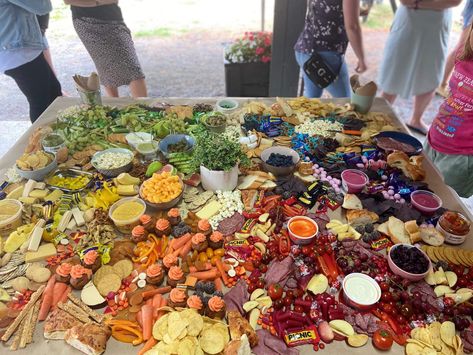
(289, 16)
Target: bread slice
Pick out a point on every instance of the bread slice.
(249, 181)
(383, 228)
(268, 185)
(397, 231)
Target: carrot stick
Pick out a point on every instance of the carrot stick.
(46, 304)
(49, 286)
(63, 297)
(160, 290)
(139, 318)
(181, 241)
(177, 252)
(58, 290)
(147, 314)
(221, 268)
(226, 266)
(192, 268)
(208, 266)
(157, 300)
(218, 284)
(149, 302)
(164, 303)
(148, 345)
(206, 275)
(186, 249)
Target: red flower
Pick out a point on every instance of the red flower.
(251, 37)
(265, 59)
(259, 50)
(267, 41)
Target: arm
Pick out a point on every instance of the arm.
(37, 7)
(351, 11)
(431, 4)
(89, 3)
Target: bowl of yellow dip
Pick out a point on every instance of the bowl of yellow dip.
(126, 213)
(10, 216)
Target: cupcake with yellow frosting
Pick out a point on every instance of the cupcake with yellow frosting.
(194, 302)
(139, 234)
(204, 227)
(216, 240)
(177, 298)
(174, 216)
(163, 227)
(175, 276)
(215, 308)
(147, 222)
(91, 260)
(154, 275)
(199, 242)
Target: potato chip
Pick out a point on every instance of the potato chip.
(435, 335)
(182, 334)
(429, 351)
(413, 349)
(211, 341)
(447, 332)
(223, 329)
(186, 347)
(357, 340)
(176, 325)
(446, 350)
(196, 322)
(342, 326)
(167, 339)
(424, 336)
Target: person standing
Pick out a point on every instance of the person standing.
(21, 53)
(449, 142)
(467, 14)
(100, 26)
(414, 55)
(329, 26)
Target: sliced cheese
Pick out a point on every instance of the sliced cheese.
(209, 210)
(29, 186)
(78, 217)
(35, 238)
(54, 196)
(44, 251)
(40, 185)
(28, 200)
(65, 219)
(41, 194)
(72, 224)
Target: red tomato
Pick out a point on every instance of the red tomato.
(382, 339)
(275, 291)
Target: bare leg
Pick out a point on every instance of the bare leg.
(451, 58)
(389, 97)
(111, 91)
(420, 104)
(138, 88)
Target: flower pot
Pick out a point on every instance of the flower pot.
(247, 79)
(214, 180)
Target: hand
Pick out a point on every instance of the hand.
(361, 67)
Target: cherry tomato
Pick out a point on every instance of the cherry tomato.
(278, 304)
(287, 301)
(382, 339)
(263, 268)
(384, 286)
(387, 307)
(407, 310)
(298, 309)
(256, 263)
(275, 291)
(309, 298)
(251, 287)
(260, 283)
(290, 293)
(386, 296)
(298, 292)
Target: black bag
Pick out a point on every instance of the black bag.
(319, 72)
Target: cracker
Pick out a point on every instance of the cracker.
(109, 283)
(123, 268)
(104, 270)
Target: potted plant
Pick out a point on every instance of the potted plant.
(247, 63)
(218, 158)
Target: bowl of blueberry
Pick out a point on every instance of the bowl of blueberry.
(408, 262)
(279, 160)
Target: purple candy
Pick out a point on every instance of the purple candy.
(329, 178)
(316, 166)
(391, 187)
(384, 177)
(397, 196)
(337, 190)
(402, 200)
(317, 171)
(391, 192)
(360, 165)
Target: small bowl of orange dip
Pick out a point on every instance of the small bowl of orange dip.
(302, 230)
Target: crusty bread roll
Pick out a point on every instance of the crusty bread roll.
(57, 322)
(411, 167)
(89, 338)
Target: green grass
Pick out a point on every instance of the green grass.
(59, 12)
(380, 17)
(162, 32)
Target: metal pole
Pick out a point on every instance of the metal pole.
(263, 6)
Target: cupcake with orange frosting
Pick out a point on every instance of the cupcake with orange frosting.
(169, 261)
(147, 222)
(194, 302)
(79, 276)
(139, 234)
(215, 307)
(154, 274)
(163, 227)
(63, 272)
(177, 298)
(216, 240)
(204, 227)
(199, 242)
(91, 260)
(175, 276)
(174, 216)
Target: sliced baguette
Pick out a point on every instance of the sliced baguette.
(383, 228)
(397, 231)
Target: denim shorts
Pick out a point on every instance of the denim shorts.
(467, 13)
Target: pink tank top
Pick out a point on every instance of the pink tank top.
(452, 130)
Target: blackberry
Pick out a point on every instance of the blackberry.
(360, 228)
(218, 293)
(367, 238)
(199, 286)
(199, 293)
(209, 287)
(205, 300)
(369, 228)
(180, 230)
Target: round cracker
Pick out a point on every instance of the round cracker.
(109, 283)
(430, 253)
(211, 341)
(450, 255)
(123, 268)
(104, 270)
(439, 253)
(464, 257)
